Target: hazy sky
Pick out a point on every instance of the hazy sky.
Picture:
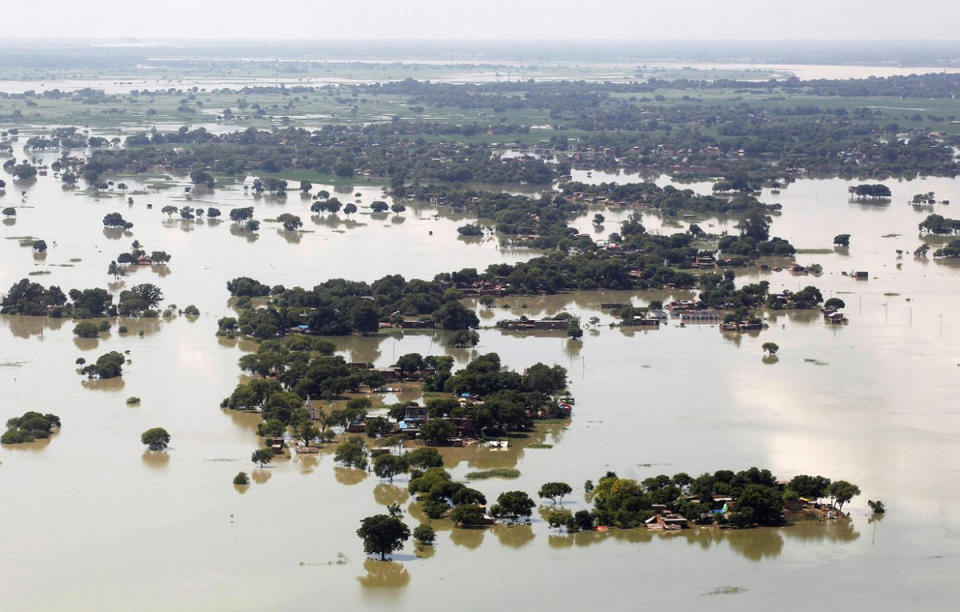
(484, 19)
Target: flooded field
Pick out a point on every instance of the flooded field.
(872, 402)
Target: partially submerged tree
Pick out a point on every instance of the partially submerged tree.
(382, 534)
(155, 438)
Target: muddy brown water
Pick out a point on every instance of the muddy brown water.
(92, 521)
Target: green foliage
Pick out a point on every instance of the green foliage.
(842, 492)
(467, 515)
(424, 458)
(559, 518)
(29, 427)
(108, 365)
(513, 505)
(424, 535)
(554, 491)
(155, 438)
(493, 473)
(262, 456)
(388, 466)
(382, 534)
(352, 453)
(86, 329)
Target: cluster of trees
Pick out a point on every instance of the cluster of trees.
(757, 497)
(339, 307)
(29, 298)
(108, 365)
(938, 224)
(671, 201)
(290, 371)
(540, 221)
(29, 427)
(869, 191)
(383, 150)
(155, 438)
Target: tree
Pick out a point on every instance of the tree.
(876, 506)
(809, 487)
(842, 240)
(350, 208)
(382, 534)
(379, 206)
(424, 535)
(756, 225)
(437, 432)
(376, 427)
(454, 315)
(108, 365)
(10, 211)
(115, 270)
(584, 520)
(169, 210)
(156, 438)
(86, 329)
(388, 466)
(513, 505)
(770, 348)
(290, 222)
(759, 504)
(834, 304)
(40, 246)
(115, 219)
(554, 491)
(842, 492)
(241, 479)
(559, 518)
(352, 453)
(467, 515)
(424, 458)
(366, 317)
(308, 432)
(262, 456)
(238, 215)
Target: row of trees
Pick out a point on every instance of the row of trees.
(28, 298)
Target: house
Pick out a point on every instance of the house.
(275, 444)
(664, 519)
(643, 322)
(422, 324)
(861, 275)
(835, 318)
(700, 315)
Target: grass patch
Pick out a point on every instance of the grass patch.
(540, 445)
(494, 473)
(814, 251)
(891, 294)
(725, 590)
(891, 235)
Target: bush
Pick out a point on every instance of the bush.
(424, 535)
(133, 400)
(86, 329)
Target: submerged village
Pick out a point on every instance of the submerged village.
(408, 320)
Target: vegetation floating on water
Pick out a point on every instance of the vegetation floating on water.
(494, 473)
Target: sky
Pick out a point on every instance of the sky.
(483, 19)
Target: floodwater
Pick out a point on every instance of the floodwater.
(94, 522)
(344, 73)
